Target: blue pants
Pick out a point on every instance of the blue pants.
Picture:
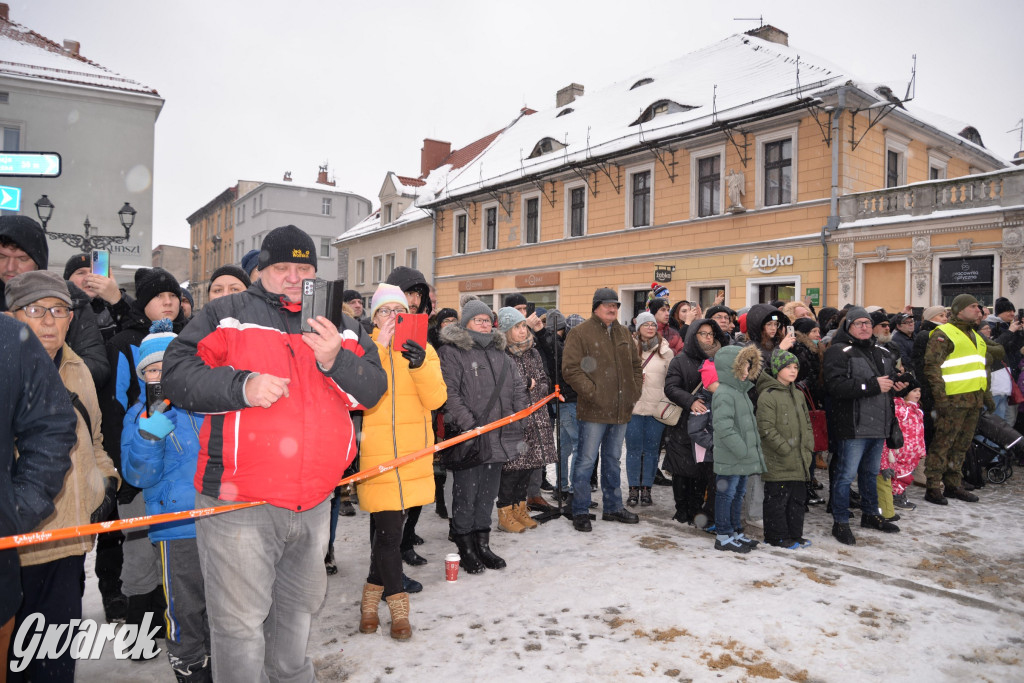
(597, 438)
(729, 503)
(643, 446)
(860, 459)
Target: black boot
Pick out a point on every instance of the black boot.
(329, 564)
(469, 560)
(198, 672)
(439, 507)
(634, 496)
(483, 547)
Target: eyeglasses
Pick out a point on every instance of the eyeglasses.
(152, 372)
(481, 321)
(884, 325)
(388, 312)
(861, 323)
(706, 335)
(40, 311)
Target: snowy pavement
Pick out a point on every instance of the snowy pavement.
(941, 601)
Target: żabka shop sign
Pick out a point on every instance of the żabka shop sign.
(769, 264)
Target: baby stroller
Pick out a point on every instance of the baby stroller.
(991, 450)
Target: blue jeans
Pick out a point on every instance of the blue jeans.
(264, 573)
(569, 433)
(643, 446)
(595, 437)
(729, 503)
(1002, 402)
(858, 458)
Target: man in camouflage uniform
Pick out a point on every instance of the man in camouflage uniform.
(954, 367)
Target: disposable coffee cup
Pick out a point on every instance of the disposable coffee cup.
(451, 567)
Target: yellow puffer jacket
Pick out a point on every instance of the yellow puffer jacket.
(84, 482)
(398, 425)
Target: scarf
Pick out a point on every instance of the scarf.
(481, 339)
(650, 344)
(519, 348)
(710, 349)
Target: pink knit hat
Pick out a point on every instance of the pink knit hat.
(708, 374)
(387, 294)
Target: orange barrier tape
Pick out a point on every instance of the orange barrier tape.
(35, 537)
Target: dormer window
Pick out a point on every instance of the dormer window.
(545, 146)
(567, 110)
(971, 134)
(642, 81)
(661, 107)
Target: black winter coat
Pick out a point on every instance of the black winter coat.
(85, 339)
(470, 373)
(859, 408)
(682, 378)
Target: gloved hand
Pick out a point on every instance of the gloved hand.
(158, 425)
(101, 513)
(414, 353)
(888, 474)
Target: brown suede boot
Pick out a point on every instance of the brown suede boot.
(399, 606)
(523, 515)
(509, 521)
(368, 619)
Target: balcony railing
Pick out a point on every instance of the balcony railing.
(999, 188)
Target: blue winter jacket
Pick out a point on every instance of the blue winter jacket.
(163, 469)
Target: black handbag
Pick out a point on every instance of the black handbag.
(467, 454)
(895, 439)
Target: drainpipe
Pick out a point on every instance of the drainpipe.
(833, 218)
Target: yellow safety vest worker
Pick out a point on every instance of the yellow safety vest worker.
(964, 369)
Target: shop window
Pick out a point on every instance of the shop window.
(776, 291)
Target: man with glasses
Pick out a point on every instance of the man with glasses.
(903, 326)
(858, 376)
(601, 363)
(723, 315)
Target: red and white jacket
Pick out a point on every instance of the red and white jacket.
(292, 454)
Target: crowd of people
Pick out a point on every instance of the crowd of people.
(243, 400)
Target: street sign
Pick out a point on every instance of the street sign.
(10, 198)
(815, 294)
(663, 273)
(30, 164)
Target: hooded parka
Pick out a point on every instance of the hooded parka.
(737, 444)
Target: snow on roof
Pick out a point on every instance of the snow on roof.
(319, 187)
(371, 224)
(739, 77)
(26, 54)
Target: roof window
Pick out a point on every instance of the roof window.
(642, 81)
(662, 107)
(567, 110)
(545, 146)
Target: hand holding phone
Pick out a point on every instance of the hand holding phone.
(101, 262)
(410, 326)
(790, 330)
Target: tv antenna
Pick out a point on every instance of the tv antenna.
(1019, 128)
(759, 20)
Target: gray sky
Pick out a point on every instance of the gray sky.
(255, 88)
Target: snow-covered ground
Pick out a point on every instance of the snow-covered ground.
(941, 601)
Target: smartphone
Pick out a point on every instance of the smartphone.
(790, 329)
(1020, 314)
(410, 326)
(101, 262)
(156, 402)
(531, 308)
(314, 301)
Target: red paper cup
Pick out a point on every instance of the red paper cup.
(451, 567)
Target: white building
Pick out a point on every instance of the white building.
(317, 208)
(53, 99)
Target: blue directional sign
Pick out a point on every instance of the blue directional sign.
(10, 198)
(30, 164)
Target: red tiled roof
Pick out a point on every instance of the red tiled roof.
(461, 157)
(414, 182)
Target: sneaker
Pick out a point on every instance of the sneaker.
(710, 528)
(411, 585)
(935, 496)
(815, 500)
(787, 543)
(645, 497)
(878, 522)
(843, 534)
(634, 496)
(624, 516)
(900, 501)
(732, 545)
(581, 523)
(804, 543)
(742, 538)
(961, 493)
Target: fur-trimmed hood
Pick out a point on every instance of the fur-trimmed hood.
(730, 362)
(459, 336)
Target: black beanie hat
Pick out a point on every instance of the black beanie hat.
(655, 305)
(515, 299)
(1003, 305)
(28, 236)
(878, 317)
(287, 244)
(350, 295)
(604, 295)
(74, 263)
(149, 282)
(185, 294)
(804, 325)
(232, 270)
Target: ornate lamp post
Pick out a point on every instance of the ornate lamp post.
(86, 243)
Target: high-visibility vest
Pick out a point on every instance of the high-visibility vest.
(964, 369)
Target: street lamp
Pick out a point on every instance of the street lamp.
(44, 209)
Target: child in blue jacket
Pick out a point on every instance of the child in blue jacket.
(162, 462)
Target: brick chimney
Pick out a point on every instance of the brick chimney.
(321, 177)
(5, 11)
(568, 94)
(72, 46)
(432, 154)
(770, 33)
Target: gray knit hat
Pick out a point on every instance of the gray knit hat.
(644, 318)
(471, 310)
(508, 318)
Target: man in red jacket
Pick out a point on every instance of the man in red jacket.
(278, 430)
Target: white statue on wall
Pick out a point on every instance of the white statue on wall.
(735, 184)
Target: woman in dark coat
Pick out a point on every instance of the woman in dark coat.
(690, 479)
(766, 329)
(473, 363)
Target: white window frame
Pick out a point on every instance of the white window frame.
(568, 188)
(455, 232)
(940, 161)
(753, 283)
(21, 133)
(522, 216)
(630, 172)
(386, 214)
(774, 136)
(483, 226)
(320, 251)
(326, 206)
(894, 142)
(693, 288)
(360, 271)
(695, 157)
(390, 259)
(415, 257)
(377, 265)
